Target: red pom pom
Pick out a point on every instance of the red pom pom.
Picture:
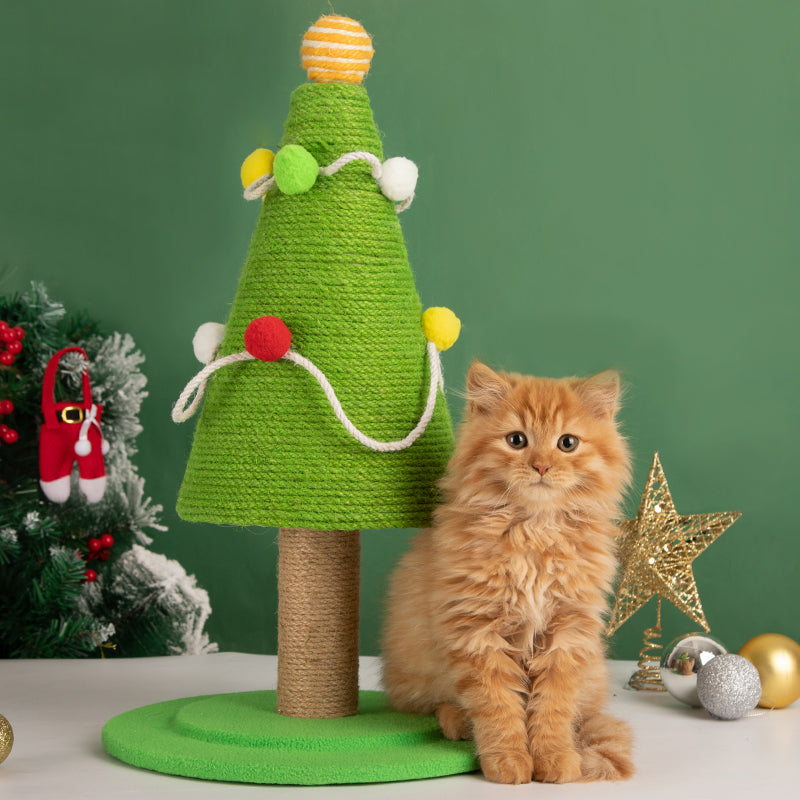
(267, 338)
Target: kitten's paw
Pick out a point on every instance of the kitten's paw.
(606, 753)
(562, 767)
(602, 765)
(513, 767)
(454, 722)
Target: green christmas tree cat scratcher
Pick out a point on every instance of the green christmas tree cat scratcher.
(322, 414)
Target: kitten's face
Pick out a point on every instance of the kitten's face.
(542, 444)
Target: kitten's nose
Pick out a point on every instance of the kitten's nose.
(541, 468)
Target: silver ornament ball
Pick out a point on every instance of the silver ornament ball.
(683, 658)
(728, 686)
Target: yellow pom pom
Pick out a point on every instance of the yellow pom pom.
(441, 326)
(336, 50)
(258, 163)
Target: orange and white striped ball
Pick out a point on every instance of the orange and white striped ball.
(336, 50)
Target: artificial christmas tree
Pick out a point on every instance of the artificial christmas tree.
(76, 577)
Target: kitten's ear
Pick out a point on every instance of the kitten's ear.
(601, 393)
(485, 387)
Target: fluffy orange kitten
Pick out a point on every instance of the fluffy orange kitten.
(495, 615)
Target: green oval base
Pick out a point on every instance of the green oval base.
(240, 737)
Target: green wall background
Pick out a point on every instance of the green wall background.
(602, 183)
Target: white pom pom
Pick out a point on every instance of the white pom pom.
(398, 179)
(207, 340)
(105, 447)
(83, 447)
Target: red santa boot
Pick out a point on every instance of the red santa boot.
(90, 449)
(71, 431)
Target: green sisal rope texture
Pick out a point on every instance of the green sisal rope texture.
(332, 264)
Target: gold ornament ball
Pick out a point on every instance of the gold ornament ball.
(777, 659)
(6, 738)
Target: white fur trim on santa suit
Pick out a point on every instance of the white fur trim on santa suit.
(92, 488)
(57, 491)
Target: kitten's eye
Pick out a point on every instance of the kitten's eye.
(567, 443)
(517, 440)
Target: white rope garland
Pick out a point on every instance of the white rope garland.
(197, 386)
(261, 185)
(358, 155)
(400, 207)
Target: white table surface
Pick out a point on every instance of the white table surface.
(58, 708)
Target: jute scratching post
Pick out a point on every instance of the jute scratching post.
(318, 593)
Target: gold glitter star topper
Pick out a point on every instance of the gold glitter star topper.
(657, 550)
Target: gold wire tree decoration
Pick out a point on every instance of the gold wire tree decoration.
(656, 551)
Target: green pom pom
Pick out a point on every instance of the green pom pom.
(295, 169)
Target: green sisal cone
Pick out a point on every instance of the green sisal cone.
(332, 264)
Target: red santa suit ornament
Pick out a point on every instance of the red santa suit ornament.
(71, 431)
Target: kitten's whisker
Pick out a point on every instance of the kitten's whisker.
(502, 500)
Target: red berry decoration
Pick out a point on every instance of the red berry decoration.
(267, 338)
(94, 545)
(90, 576)
(12, 338)
(107, 541)
(8, 435)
